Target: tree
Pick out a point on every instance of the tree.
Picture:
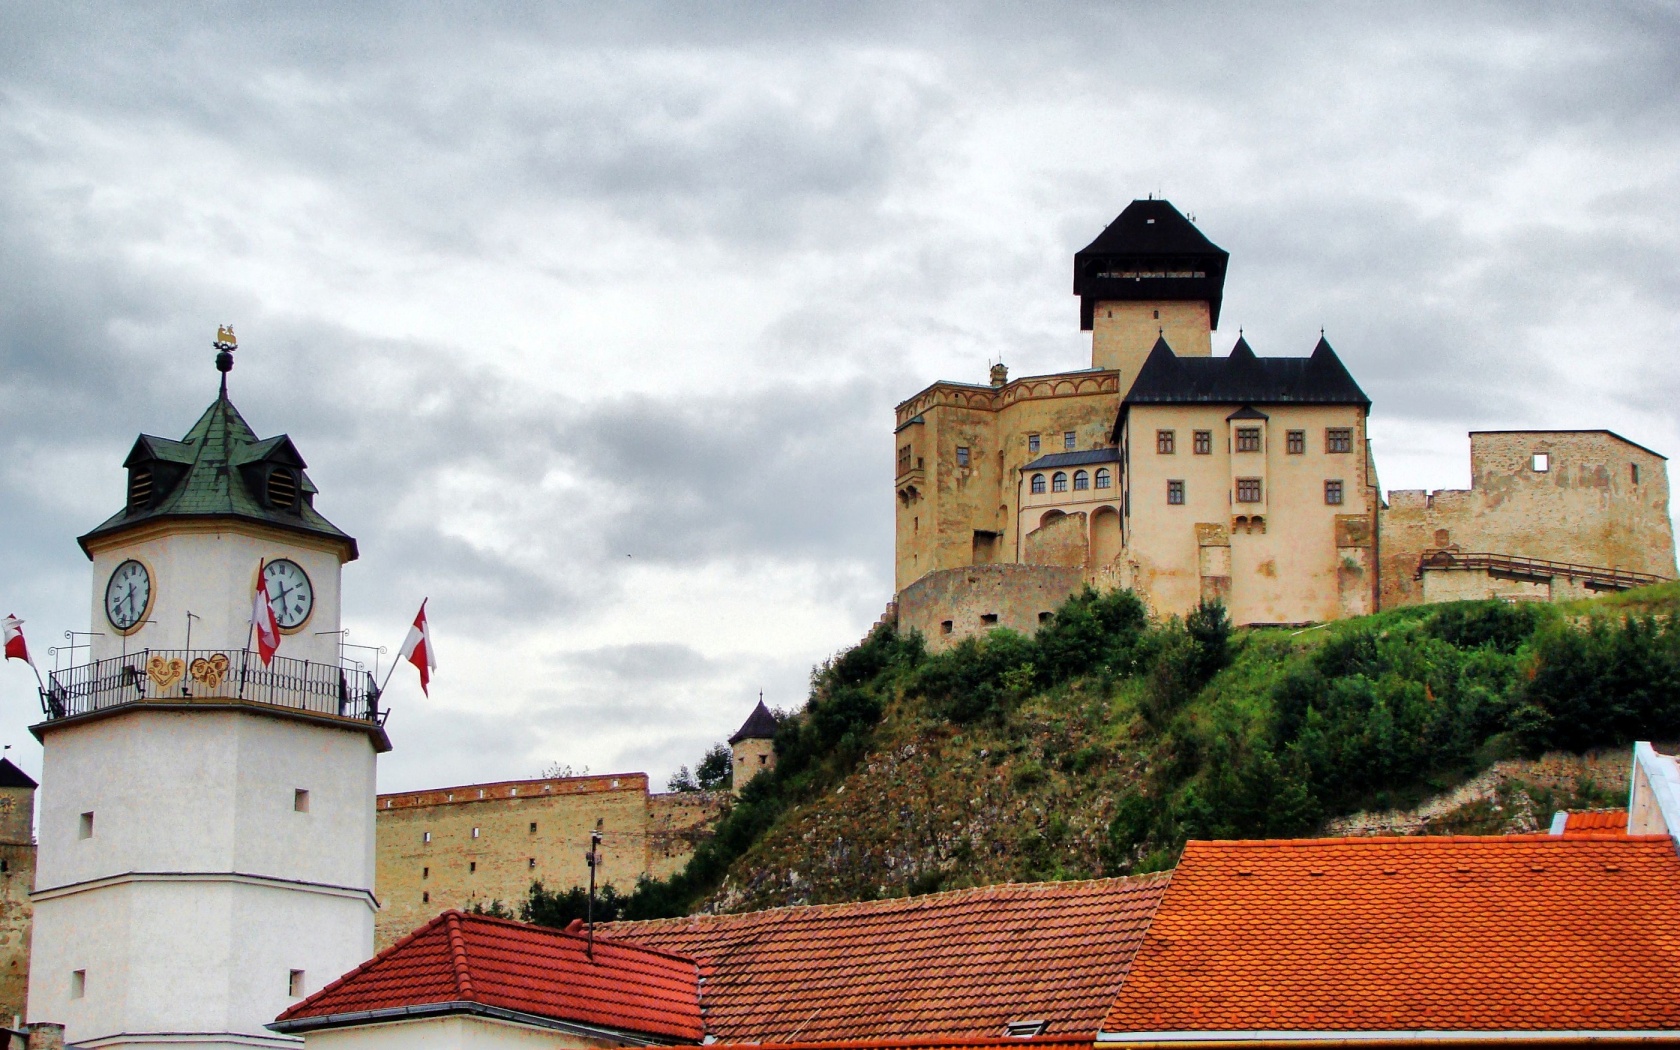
(715, 771)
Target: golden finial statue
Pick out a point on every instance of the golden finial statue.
(225, 345)
(225, 339)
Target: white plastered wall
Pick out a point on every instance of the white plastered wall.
(447, 1033)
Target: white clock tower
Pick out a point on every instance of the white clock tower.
(207, 819)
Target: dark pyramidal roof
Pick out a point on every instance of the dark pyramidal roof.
(1150, 252)
(13, 777)
(760, 725)
(1245, 379)
(220, 469)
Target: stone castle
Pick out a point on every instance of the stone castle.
(1247, 479)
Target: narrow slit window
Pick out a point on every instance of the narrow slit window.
(1203, 443)
(533, 827)
(78, 983)
(533, 864)
(425, 836)
(1175, 493)
(84, 827)
(1635, 467)
(475, 833)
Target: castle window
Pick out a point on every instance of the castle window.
(139, 488)
(1203, 443)
(425, 873)
(1104, 478)
(78, 983)
(1338, 439)
(1175, 493)
(1295, 442)
(1542, 462)
(1081, 480)
(1038, 484)
(300, 800)
(989, 619)
(1333, 492)
(84, 827)
(533, 827)
(533, 864)
(425, 836)
(1032, 444)
(944, 626)
(1248, 439)
(1070, 440)
(962, 455)
(282, 488)
(426, 897)
(1165, 442)
(1635, 467)
(1248, 490)
(294, 984)
(475, 833)
(904, 459)
(472, 867)
(1058, 482)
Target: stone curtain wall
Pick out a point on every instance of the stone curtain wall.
(1017, 595)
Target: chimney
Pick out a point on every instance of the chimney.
(44, 1035)
(1000, 374)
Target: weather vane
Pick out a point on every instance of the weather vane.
(225, 345)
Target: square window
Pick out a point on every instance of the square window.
(84, 827)
(1204, 443)
(989, 619)
(1070, 440)
(1338, 439)
(1296, 442)
(1542, 462)
(1044, 617)
(1165, 442)
(1333, 492)
(300, 800)
(294, 984)
(1032, 444)
(1175, 493)
(78, 983)
(944, 626)
(962, 455)
(1248, 439)
(1248, 490)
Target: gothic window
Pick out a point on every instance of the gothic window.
(1165, 442)
(1297, 442)
(1175, 492)
(1081, 480)
(1058, 482)
(1338, 439)
(1248, 490)
(1104, 478)
(1248, 439)
(1038, 484)
(1333, 492)
(1070, 440)
(1204, 443)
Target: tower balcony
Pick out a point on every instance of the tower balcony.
(223, 679)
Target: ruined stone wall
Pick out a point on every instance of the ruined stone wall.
(1600, 501)
(678, 821)
(17, 878)
(1063, 540)
(954, 604)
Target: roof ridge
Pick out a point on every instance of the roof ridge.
(1363, 840)
(368, 964)
(458, 955)
(563, 932)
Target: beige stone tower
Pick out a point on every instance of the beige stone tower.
(753, 747)
(17, 878)
(1149, 275)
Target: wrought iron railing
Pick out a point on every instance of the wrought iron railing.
(155, 675)
(1598, 576)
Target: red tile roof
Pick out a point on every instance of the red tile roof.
(459, 958)
(955, 965)
(1596, 820)
(1520, 932)
(1037, 1042)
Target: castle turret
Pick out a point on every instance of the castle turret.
(1149, 275)
(207, 815)
(753, 747)
(17, 878)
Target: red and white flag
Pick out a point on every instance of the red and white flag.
(417, 649)
(263, 620)
(11, 629)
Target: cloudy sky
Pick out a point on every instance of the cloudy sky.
(590, 319)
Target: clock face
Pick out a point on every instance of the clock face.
(128, 595)
(290, 593)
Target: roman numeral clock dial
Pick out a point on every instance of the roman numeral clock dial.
(290, 594)
(128, 595)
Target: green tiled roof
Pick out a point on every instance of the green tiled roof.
(215, 467)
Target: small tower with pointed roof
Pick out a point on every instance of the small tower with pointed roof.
(753, 747)
(1149, 275)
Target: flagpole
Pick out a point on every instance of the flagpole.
(250, 627)
(395, 660)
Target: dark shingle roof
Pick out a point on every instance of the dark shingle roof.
(760, 725)
(207, 479)
(1149, 252)
(1244, 379)
(1074, 459)
(13, 777)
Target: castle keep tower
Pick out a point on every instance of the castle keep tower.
(207, 818)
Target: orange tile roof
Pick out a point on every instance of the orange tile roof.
(953, 965)
(459, 961)
(1521, 932)
(1037, 1042)
(1596, 820)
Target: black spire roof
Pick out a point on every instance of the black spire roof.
(760, 725)
(220, 469)
(13, 777)
(1150, 252)
(1244, 379)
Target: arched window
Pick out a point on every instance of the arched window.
(1038, 484)
(1058, 482)
(1081, 480)
(1104, 478)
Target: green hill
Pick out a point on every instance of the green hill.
(1101, 744)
